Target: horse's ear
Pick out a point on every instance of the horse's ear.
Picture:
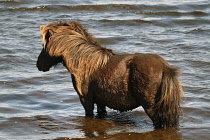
(45, 34)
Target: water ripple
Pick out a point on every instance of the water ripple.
(36, 105)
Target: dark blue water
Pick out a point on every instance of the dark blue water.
(37, 105)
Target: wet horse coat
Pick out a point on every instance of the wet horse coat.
(120, 82)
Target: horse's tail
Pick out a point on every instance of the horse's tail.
(167, 108)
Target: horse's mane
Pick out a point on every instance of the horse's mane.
(80, 51)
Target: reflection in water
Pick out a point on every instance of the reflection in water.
(153, 135)
(112, 128)
(97, 128)
(94, 128)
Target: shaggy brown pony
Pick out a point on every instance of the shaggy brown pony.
(120, 82)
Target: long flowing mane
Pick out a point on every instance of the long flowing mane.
(77, 47)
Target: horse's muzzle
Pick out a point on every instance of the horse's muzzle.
(42, 68)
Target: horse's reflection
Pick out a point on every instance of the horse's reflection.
(105, 128)
(95, 127)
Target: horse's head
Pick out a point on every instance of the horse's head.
(46, 60)
(60, 39)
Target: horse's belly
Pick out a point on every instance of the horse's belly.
(122, 101)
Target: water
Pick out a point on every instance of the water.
(36, 105)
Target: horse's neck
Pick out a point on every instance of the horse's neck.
(84, 61)
(83, 64)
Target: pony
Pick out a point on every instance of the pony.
(121, 82)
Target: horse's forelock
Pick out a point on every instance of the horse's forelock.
(49, 29)
(51, 33)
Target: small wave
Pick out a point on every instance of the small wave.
(97, 8)
(16, 9)
(9, 2)
(102, 7)
(175, 13)
(125, 20)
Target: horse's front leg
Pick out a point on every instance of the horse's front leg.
(88, 105)
(101, 109)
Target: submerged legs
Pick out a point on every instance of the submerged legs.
(101, 109)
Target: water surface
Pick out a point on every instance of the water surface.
(37, 105)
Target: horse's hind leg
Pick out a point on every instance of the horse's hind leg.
(148, 103)
(155, 115)
(150, 112)
(163, 103)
